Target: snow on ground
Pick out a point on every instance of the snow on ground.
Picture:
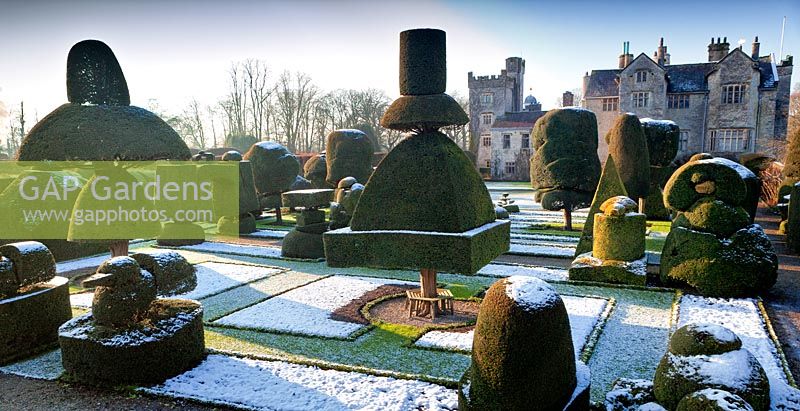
(45, 366)
(80, 263)
(234, 249)
(263, 233)
(743, 317)
(81, 300)
(306, 310)
(213, 278)
(268, 385)
(584, 313)
(507, 270)
(541, 251)
(544, 237)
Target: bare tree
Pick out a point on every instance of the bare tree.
(16, 129)
(459, 134)
(794, 110)
(295, 96)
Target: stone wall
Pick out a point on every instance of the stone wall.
(692, 120)
(656, 85)
(605, 120)
(500, 155)
(736, 68)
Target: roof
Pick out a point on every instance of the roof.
(603, 83)
(682, 78)
(688, 78)
(518, 119)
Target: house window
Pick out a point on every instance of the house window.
(733, 93)
(640, 98)
(678, 101)
(526, 141)
(488, 164)
(730, 139)
(683, 141)
(511, 167)
(611, 104)
(487, 98)
(641, 76)
(486, 140)
(486, 118)
(506, 141)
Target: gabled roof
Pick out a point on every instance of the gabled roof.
(641, 56)
(518, 119)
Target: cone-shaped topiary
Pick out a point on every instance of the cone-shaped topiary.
(522, 355)
(702, 356)
(564, 167)
(627, 144)
(610, 185)
(348, 153)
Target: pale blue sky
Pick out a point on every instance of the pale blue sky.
(178, 50)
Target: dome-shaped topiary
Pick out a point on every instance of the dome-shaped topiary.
(241, 142)
(315, 170)
(274, 167)
(348, 153)
(522, 353)
(564, 167)
(711, 399)
(627, 144)
(706, 356)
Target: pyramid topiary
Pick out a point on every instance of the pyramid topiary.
(610, 185)
(564, 167)
(627, 144)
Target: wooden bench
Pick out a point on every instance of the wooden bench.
(416, 303)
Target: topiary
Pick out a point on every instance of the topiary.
(610, 185)
(662, 146)
(627, 144)
(241, 142)
(348, 153)
(522, 352)
(704, 356)
(274, 170)
(711, 245)
(564, 167)
(711, 399)
(316, 170)
(791, 164)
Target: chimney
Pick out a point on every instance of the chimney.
(717, 51)
(756, 49)
(626, 57)
(567, 99)
(661, 53)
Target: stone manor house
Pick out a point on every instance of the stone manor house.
(501, 122)
(733, 103)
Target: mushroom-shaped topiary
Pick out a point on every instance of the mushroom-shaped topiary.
(703, 356)
(627, 144)
(564, 167)
(348, 154)
(662, 146)
(274, 170)
(522, 352)
(99, 123)
(712, 246)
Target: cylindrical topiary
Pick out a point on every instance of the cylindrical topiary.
(423, 68)
(627, 144)
(619, 231)
(662, 146)
(522, 352)
(348, 154)
(564, 167)
(702, 356)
